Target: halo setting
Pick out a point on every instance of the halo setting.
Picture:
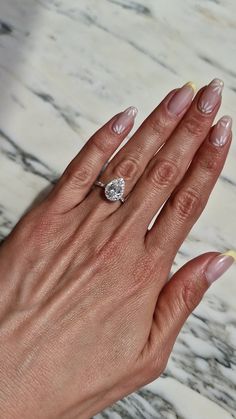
(114, 190)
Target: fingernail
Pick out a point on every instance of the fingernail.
(182, 98)
(125, 120)
(219, 264)
(210, 96)
(221, 131)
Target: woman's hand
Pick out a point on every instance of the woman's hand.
(87, 314)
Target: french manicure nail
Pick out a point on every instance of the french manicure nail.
(221, 131)
(219, 264)
(124, 120)
(182, 98)
(210, 97)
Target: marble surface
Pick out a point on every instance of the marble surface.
(68, 66)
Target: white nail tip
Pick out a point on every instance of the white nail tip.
(217, 89)
(217, 82)
(132, 111)
(225, 123)
(217, 86)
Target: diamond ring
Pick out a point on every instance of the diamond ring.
(114, 190)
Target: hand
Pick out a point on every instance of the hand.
(87, 313)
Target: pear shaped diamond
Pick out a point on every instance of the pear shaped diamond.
(114, 190)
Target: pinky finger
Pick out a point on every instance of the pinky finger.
(182, 293)
(80, 174)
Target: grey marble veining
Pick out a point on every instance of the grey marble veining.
(65, 68)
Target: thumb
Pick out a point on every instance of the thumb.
(184, 291)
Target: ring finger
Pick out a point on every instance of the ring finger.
(169, 165)
(130, 162)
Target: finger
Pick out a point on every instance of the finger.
(185, 205)
(130, 162)
(181, 295)
(168, 166)
(83, 170)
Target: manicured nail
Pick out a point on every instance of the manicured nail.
(125, 120)
(221, 131)
(219, 264)
(210, 97)
(182, 98)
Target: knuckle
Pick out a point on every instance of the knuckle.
(194, 126)
(101, 144)
(158, 124)
(163, 173)
(190, 296)
(128, 168)
(187, 203)
(78, 176)
(209, 163)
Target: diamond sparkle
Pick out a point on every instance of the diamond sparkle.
(114, 190)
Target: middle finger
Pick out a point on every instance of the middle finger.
(168, 166)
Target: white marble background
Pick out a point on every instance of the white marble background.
(65, 68)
